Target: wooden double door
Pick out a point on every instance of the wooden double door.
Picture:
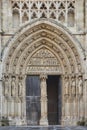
(33, 102)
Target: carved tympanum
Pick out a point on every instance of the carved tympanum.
(43, 60)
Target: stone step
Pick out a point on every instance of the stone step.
(41, 128)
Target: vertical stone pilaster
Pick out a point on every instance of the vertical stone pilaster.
(85, 16)
(76, 104)
(63, 100)
(0, 28)
(79, 15)
(19, 108)
(85, 98)
(85, 78)
(1, 95)
(85, 75)
(1, 98)
(70, 101)
(1, 91)
(24, 100)
(43, 120)
(12, 107)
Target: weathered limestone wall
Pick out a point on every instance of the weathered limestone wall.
(6, 21)
(79, 31)
(79, 15)
(86, 58)
(0, 62)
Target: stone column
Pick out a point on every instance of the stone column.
(63, 101)
(43, 85)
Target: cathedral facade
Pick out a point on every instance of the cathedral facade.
(43, 61)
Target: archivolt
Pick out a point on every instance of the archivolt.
(33, 37)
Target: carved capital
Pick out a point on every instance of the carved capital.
(43, 76)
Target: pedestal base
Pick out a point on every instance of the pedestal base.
(44, 122)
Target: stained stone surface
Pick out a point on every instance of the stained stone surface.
(42, 128)
(54, 44)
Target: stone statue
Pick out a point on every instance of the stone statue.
(6, 86)
(20, 86)
(13, 87)
(43, 87)
(73, 86)
(80, 86)
(66, 86)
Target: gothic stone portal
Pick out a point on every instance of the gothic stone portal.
(42, 50)
(34, 102)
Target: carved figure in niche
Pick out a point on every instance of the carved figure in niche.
(66, 86)
(43, 86)
(20, 86)
(13, 87)
(73, 86)
(6, 86)
(80, 86)
(79, 67)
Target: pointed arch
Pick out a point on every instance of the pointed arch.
(46, 33)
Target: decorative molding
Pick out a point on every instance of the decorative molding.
(29, 10)
(57, 41)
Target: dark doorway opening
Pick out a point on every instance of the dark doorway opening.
(33, 108)
(54, 95)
